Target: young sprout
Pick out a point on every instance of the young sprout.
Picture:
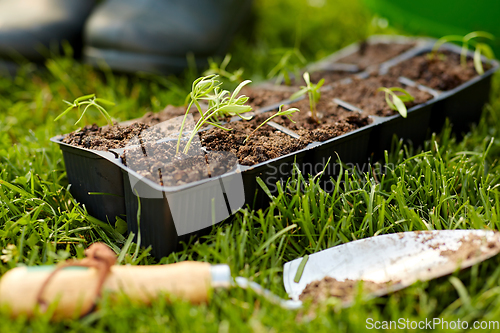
(235, 76)
(88, 101)
(221, 104)
(466, 40)
(280, 112)
(201, 87)
(290, 62)
(398, 101)
(487, 51)
(313, 92)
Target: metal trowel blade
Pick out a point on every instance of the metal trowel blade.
(397, 260)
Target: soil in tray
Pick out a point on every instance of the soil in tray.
(104, 138)
(330, 76)
(120, 136)
(268, 143)
(160, 163)
(154, 118)
(373, 54)
(149, 127)
(265, 144)
(266, 95)
(363, 94)
(441, 72)
(334, 120)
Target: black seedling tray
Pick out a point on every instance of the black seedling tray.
(332, 62)
(193, 203)
(352, 148)
(95, 181)
(91, 171)
(201, 203)
(462, 105)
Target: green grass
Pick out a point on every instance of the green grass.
(447, 184)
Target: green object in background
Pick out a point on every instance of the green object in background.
(437, 18)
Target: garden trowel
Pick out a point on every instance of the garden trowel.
(393, 261)
(388, 262)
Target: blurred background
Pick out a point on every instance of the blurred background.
(442, 17)
(315, 27)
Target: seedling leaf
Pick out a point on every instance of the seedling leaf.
(104, 101)
(291, 61)
(400, 106)
(219, 126)
(313, 93)
(299, 93)
(398, 101)
(478, 63)
(65, 111)
(88, 101)
(82, 98)
(221, 103)
(286, 113)
(465, 47)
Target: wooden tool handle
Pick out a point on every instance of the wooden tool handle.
(72, 288)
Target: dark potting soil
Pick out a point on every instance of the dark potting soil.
(153, 118)
(319, 291)
(265, 144)
(121, 136)
(373, 54)
(267, 95)
(151, 126)
(441, 72)
(160, 163)
(104, 138)
(329, 76)
(363, 94)
(334, 120)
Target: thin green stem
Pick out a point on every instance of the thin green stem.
(279, 113)
(182, 127)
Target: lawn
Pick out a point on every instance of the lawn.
(448, 183)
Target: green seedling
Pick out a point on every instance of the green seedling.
(312, 91)
(286, 113)
(480, 48)
(398, 101)
(221, 70)
(290, 62)
(221, 104)
(88, 101)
